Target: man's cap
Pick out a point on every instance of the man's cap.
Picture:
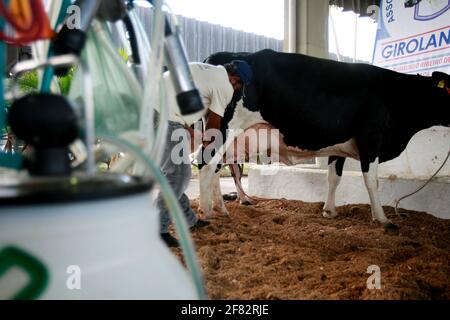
(243, 70)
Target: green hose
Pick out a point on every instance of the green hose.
(63, 12)
(47, 78)
(174, 210)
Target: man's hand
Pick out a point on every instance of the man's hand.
(195, 137)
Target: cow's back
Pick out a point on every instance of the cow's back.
(314, 102)
(317, 102)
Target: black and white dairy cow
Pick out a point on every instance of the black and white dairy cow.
(328, 108)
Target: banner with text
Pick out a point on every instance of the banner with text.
(413, 36)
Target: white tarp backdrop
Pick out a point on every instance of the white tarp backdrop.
(414, 38)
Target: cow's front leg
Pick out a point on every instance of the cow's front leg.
(370, 173)
(206, 181)
(335, 168)
(218, 203)
(208, 190)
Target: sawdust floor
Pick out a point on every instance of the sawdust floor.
(289, 251)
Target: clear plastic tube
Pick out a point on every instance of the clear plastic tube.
(100, 30)
(143, 45)
(174, 210)
(153, 78)
(152, 58)
(161, 133)
(157, 150)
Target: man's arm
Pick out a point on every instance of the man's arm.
(213, 121)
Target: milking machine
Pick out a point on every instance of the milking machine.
(67, 230)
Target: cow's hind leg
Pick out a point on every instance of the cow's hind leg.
(370, 173)
(335, 168)
(369, 144)
(237, 176)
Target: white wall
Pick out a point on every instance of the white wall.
(424, 154)
(310, 185)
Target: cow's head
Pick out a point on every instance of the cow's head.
(220, 58)
(442, 81)
(249, 95)
(248, 92)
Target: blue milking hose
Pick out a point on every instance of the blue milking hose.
(49, 72)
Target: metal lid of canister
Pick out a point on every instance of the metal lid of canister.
(76, 188)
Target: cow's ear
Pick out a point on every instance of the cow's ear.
(250, 98)
(442, 79)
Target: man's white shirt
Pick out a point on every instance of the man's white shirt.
(213, 84)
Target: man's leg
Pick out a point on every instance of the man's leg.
(178, 176)
(191, 217)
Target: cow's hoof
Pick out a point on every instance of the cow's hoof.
(390, 227)
(245, 202)
(219, 211)
(230, 196)
(207, 214)
(329, 214)
(403, 214)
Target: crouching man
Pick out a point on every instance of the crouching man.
(216, 85)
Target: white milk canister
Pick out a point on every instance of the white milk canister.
(85, 238)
